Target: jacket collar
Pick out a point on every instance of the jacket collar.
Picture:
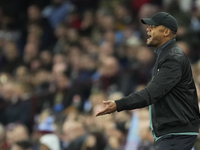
(159, 49)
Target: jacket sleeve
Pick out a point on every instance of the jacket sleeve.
(166, 78)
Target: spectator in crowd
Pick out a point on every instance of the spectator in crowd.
(13, 130)
(34, 16)
(94, 141)
(18, 99)
(22, 145)
(74, 133)
(12, 58)
(60, 33)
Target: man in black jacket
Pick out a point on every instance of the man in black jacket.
(171, 94)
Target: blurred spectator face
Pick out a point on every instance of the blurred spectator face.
(109, 127)
(110, 36)
(121, 11)
(22, 131)
(147, 10)
(44, 147)
(46, 57)
(34, 29)
(59, 68)
(88, 16)
(23, 91)
(30, 51)
(184, 46)
(89, 122)
(58, 58)
(181, 31)
(34, 13)
(106, 50)
(8, 91)
(22, 73)
(16, 147)
(2, 135)
(110, 67)
(74, 57)
(72, 35)
(131, 52)
(15, 133)
(198, 89)
(35, 65)
(11, 51)
(87, 63)
(93, 49)
(145, 55)
(85, 42)
(61, 80)
(128, 32)
(34, 34)
(33, 38)
(70, 130)
(9, 137)
(99, 16)
(41, 76)
(91, 142)
(113, 134)
(61, 31)
(94, 141)
(6, 22)
(196, 72)
(108, 23)
(87, 20)
(114, 142)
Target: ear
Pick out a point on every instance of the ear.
(167, 32)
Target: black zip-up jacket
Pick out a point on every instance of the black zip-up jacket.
(171, 94)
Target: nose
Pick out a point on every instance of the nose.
(148, 28)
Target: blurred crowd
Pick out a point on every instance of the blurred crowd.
(59, 59)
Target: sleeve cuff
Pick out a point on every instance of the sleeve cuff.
(120, 104)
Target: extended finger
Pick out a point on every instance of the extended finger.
(103, 112)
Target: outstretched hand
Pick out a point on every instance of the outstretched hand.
(110, 107)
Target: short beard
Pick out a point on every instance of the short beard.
(154, 44)
(151, 45)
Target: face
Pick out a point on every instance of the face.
(44, 147)
(156, 35)
(16, 147)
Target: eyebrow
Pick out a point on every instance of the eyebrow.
(153, 26)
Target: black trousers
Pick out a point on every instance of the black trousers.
(176, 142)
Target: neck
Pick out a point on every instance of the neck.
(164, 41)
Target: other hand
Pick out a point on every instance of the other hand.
(110, 107)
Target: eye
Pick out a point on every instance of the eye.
(152, 26)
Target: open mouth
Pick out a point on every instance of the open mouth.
(150, 38)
